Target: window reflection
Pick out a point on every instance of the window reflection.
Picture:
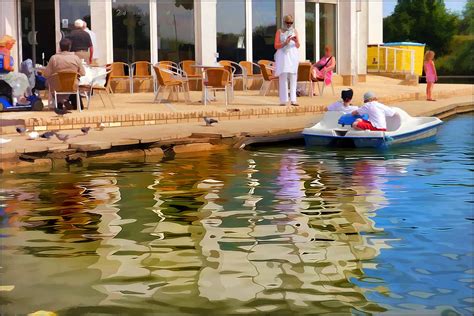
(266, 17)
(310, 31)
(175, 30)
(327, 27)
(131, 30)
(231, 29)
(71, 10)
(38, 30)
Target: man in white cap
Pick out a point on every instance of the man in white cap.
(376, 112)
(81, 42)
(344, 105)
(94, 43)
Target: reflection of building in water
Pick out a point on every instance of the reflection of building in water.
(255, 240)
(292, 246)
(154, 259)
(47, 251)
(124, 246)
(268, 233)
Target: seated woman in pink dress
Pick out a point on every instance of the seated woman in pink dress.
(322, 70)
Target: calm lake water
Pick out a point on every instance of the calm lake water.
(277, 230)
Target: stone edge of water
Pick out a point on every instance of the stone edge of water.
(45, 160)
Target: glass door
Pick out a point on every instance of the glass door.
(327, 27)
(310, 25)
(70, 10)
(175, 30)
(38, 33)
(231, 30)
(321, 29)
(131, 30)
(266, 19)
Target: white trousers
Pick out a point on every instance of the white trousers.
(283, 81)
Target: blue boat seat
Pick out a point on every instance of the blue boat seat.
(348, 119)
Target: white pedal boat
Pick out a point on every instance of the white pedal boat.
(401, 129)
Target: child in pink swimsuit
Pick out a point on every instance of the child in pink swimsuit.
(430, 72)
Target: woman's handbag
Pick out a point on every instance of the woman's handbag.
(314, 74)
(319, 66)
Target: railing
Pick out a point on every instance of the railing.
(392, 59)
(453, 79)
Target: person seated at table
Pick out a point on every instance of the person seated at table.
(65, 60)
(344, 105)
(376, 112)
(322, 70)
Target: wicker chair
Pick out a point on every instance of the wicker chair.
(269, 80)
(193, 73)
(167, 63)
(141, 71)
(119, 73)
(248, 68)
(93, 87)
(169, 77)
(62, 83)
(268, 63)
(217, 79)
(233, 76)
(238, 74)
(304, 75)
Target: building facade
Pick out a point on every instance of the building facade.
(203, 30)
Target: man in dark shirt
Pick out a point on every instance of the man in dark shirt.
(81, 42)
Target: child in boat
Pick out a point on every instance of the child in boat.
(376, 112)
(344, 105)
(431, 75)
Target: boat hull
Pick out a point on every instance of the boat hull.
(379, 141)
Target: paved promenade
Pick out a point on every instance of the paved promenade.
(139, 109)
(189, 133)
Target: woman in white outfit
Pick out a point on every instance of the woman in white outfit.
(287, 60)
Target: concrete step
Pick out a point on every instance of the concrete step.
(407, 79)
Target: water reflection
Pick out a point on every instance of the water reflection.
(46, 250)
(220, 230)
(282, 231)
(286, 257)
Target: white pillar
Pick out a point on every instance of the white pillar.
(363, 32)
(248, 30)
(9, 25)
(347, 42)
(153, 32)
(298, 10)
(57, 20)
(375, 22)
(205, 31)
(318, 36)
(101, 25)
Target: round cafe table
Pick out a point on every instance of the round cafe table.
(91, 73)
(203, 68)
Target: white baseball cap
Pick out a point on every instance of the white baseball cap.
(78, 23)
(369, 95)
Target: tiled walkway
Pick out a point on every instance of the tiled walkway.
(139, 110)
